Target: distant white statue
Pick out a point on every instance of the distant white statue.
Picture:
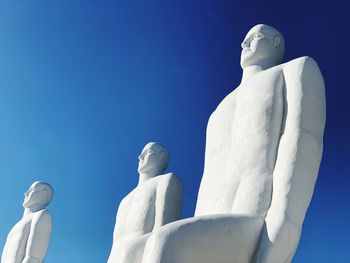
(263, 150)
(28, 240)
(155, 201)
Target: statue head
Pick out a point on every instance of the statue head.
(154, 158)
(39, 195)
(263, 46)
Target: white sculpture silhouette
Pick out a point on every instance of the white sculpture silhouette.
(263, 150)
(155, 201)
(28, 240)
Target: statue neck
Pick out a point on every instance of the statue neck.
(144, 177)
(33, 209)
(250, 71)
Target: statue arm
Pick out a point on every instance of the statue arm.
(116, 231)
(209, 238)
(4, 254)
(38, 239)
(168, 201)
(297, 162)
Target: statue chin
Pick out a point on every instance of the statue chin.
(246, 61)
(142, 169)
(249, 60)
(26, 204)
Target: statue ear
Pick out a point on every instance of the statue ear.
(276, 41)
(162, 155)
(164, 159)
(44, 192)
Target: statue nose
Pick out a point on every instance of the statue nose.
(245, 44)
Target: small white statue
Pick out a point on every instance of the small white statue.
(155, 201)
(28, 240)
(263, 150)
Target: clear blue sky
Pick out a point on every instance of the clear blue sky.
(85, 84)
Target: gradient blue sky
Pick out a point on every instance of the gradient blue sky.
(85, 84)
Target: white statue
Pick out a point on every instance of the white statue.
(28, 240)
(263, 150)
(155, 201)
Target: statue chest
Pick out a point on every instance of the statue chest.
(17, 239)
(241, 148)
(137, 210)
(247, 120)
(258, 108)
(140, 197)
(21, 229)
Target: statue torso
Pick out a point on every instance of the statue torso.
(16, 242)
(241, 147)
(136, 212)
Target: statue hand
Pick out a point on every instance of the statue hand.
(278, 245)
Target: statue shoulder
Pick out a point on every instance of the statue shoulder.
(125, 200)
(304, 70)
(43, 215)
(302, 65)
(42, 221)
(170, 179)
(227, 104)
(306, 94)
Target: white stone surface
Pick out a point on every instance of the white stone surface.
(263, 150)
(155, 201)
(28, 240)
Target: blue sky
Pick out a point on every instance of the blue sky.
(84, 85)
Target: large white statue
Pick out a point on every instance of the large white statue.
(28, 240)
(263, 150)
(155, 201)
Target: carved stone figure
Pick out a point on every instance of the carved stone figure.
(263, 150)
(28, 240)
(155, 201)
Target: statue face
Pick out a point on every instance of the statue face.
(36, 195)
(259, 47)
(150, 158)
